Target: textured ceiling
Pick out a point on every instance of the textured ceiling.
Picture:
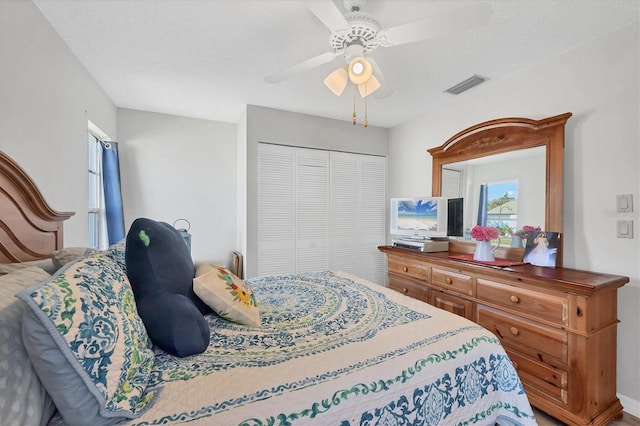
(208, 59)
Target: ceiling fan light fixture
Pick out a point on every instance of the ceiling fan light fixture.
(360, 70)
(337, 81)
(369, 86)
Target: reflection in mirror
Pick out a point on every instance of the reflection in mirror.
(516, 182)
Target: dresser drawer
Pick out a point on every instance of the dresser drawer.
(551, 382)
(539, 305)
(408, 287)
(452, 281)
(543, 343)
(454, 304)
(408, 270)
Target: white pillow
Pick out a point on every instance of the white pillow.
(229, 296)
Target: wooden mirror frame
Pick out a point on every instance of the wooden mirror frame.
(507, 135)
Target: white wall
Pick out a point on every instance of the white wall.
(46, 98)
(288, 128)
(176, 167)
(241, 196)
(598, 83)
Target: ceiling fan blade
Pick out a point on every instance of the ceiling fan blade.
(329, 14)
(302, 66)
(385, 90)
(442, 24)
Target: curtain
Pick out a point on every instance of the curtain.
(114, 213)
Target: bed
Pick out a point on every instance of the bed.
(332, 348)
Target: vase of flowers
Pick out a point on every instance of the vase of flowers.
(483, 235)
(516, 241)
(519, 237)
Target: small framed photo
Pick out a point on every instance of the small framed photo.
(541, 248)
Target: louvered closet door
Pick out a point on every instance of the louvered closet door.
(312, 210)
(358, 199)
(276, 210)
(320, 210)
(293, 209)
(372, 175)
(344, 212)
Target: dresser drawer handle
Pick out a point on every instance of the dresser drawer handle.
(515, 299)
(405, 269)
(405, 290)
(448, 281)
(514, 331)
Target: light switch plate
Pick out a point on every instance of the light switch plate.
(624, 203)
(624, 229)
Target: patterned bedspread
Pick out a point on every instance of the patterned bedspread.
(336, 350)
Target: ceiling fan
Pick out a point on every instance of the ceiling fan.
(356, 34)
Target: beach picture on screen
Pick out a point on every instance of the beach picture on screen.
(418, 215)
(541, 248)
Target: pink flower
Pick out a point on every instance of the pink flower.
(526, 229)
(481, 233)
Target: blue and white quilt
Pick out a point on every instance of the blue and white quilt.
(334, 349)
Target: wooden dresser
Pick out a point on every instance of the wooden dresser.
(558, 325)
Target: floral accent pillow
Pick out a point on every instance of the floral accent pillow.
(85, 339)
(229, 296)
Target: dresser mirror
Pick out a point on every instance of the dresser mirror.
(509, 175)
(484, 152)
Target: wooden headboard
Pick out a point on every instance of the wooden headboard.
(29, 228)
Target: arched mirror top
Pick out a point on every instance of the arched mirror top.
(507, 135)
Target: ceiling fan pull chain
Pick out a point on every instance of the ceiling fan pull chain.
(366, 116)
(354, 105)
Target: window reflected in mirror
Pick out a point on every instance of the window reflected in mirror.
(502, 208)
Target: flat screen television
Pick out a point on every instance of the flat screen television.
(419, 217)
(455, 221)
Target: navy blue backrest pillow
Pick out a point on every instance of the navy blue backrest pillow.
(161, 271)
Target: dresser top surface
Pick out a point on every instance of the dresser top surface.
(576, 280)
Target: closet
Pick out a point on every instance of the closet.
(319, 210)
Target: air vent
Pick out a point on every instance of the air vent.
(466, 85)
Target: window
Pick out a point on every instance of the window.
(97, 236)
(503, 206)
(95, 193)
